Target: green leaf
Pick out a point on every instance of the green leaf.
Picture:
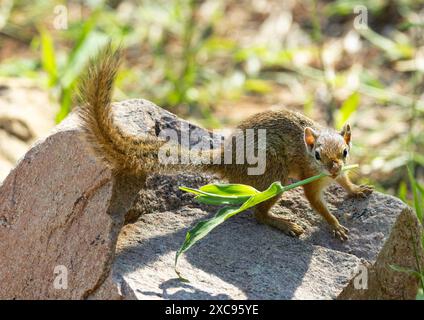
(199, 192)
(20, 67)
(394, 50)
(48, 56)
(275, 189)
(349, 106)
(418, 201)
(191, 190)
(347, 7)
(232, 194)
(229, 189)
(405, 270)
(219, 194)
(420, 187)
(407, 25)
(257, 86)
(420, 294)
(222, 201)
(418, 158)
(402, 191)
(204, 227)
(65, 104)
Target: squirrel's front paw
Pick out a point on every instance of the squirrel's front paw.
(340, 232)
(362, 191)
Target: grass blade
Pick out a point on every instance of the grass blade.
(405, 270)
(230, 189)
(204, 227)
(48, 56)
(418, 204)
(348, 107)
(222, 201)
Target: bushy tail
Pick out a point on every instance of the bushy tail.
(120, 151)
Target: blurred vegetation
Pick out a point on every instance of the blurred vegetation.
(218, 61)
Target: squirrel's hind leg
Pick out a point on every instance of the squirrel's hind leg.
(264, 215)
(279, 222)
(263, 210)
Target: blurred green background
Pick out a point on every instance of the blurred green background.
(217, 62)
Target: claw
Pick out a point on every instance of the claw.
(340, 232)
(295, 230)
(362, 191)
(288, 227)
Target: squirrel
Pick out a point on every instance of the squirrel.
(296, 147)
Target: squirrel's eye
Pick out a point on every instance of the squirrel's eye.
(317, 156)
(344, 153)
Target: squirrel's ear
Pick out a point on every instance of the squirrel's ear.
(310, 137)
(346, 133)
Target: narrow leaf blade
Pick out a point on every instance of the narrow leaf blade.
(229, 189)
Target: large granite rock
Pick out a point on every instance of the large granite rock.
(61, 212)
(242, 259)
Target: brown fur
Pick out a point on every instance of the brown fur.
(121, 151)
(292, 141)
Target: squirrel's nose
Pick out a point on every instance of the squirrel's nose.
(335, 167)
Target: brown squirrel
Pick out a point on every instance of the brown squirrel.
(296, 147)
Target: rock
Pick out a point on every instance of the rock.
(242, 259)
(60, 207)
(62, 213)
(383, 283)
